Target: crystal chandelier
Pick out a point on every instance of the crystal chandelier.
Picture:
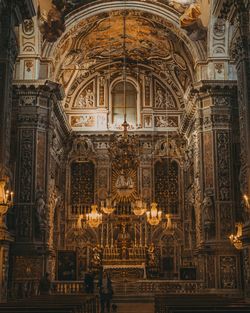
(236, 239)
(6, 201)
(139, 207)
(154, 216)
(107, 206)
(94, 218)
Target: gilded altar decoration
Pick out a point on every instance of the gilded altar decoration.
(124, 185)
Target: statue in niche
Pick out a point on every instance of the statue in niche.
(97, 256)
(152, 262)
(208, 211)
(40, 213)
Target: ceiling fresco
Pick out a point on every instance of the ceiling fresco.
(93, 50)
(100, 42)
(144, 40)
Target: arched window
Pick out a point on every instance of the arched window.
(167, 185)
(118, 103)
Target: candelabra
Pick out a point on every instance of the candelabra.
(107, 206)
(139, 207)
(94, 218)
(154, 215)
(6, 201)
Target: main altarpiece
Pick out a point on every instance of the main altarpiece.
(169, 186)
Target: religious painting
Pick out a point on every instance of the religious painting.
(85, 120)
(66, 265)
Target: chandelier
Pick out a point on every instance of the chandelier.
(94, 218)
(154, 216)
(139, 207)
(107, 206)
(236, 239)
(169, 225)
(6, 201)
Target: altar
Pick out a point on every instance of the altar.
(126, 271)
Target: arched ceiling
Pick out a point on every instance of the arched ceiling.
(93, 44)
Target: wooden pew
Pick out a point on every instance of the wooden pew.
(199, 304)
(53, 304)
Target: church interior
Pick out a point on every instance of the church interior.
(125, 150)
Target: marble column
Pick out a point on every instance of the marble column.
(216, 106)
(12, 13)
(241, 53)
(36, 112)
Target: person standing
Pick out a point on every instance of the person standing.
(45, 285)
(89, 282)
(106, 292)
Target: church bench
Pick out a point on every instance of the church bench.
(53, 304)
(199, 304)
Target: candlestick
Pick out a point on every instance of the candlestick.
(135, 234)
(112, 235)
(102, 236)
(107, 238)
(12, 196)
(140, 235)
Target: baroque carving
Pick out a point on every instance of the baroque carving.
(223, 156)
(228, 272)
(26, 165)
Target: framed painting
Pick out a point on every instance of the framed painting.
(66, 265)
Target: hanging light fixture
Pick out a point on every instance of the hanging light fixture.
(94, 218)
(107, 207)
(139, 207)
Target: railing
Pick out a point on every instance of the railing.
(68, 287)
(136, 287)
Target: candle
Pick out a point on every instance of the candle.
(135, 234)
(140, 235)
(112, 235)
(107, 238)
(12, 196)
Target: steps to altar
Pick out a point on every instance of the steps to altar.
(134, 304)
